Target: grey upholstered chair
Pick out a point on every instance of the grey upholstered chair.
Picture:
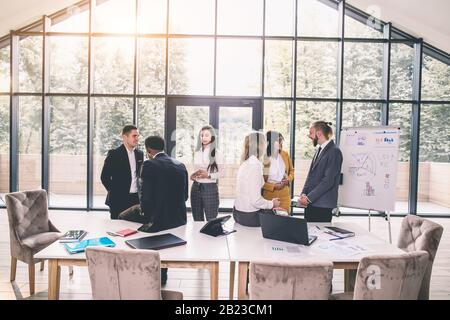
(290, 281)
(30, 230)
(389, 277)
(126, 274)
(421, 234)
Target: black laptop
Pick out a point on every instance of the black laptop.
(285, 228)
(157, 242)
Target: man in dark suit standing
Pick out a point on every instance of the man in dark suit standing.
(120, 174)
(163, 194)
(320, 192)
(164, 191)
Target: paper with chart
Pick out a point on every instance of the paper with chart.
(369, 168)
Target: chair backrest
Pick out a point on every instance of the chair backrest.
(290, 281)
(391, 277)
(27, 213)
(124, 274)
(417, 233)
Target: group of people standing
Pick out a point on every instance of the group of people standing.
(154, 192)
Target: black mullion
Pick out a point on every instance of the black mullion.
(386, 75)
(294, 92)
(90, 114)
(415, 128)
(340, 91)
(45, 148)
(14, 114)
(136, 65)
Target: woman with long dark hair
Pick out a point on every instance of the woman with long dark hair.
(208, 168)
(278, 171)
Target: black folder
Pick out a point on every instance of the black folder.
(157, 242)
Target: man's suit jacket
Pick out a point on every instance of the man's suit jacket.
(164, 192)
(322, 183)
(116, 176)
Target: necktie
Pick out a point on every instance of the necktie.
(317, 155)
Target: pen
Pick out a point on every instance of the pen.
(317, 227)
(336, 239)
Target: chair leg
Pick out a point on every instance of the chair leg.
(42, 265)
(70, 270)
(13, 268)
(31, 278)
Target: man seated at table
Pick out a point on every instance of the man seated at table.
(163, 194)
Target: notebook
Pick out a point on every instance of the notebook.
(73, 236)
(122, 233)
(158, 242)
(339, 232)
(82, 245)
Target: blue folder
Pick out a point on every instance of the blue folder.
(81, 246)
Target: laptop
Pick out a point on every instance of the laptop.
(285, 228)
(157, 242)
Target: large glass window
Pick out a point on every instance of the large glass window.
(30, 130)
(111, 115)
(317, 64)
(30, 64)
(4, 146)
(4, 68)
(116, 16)
(278, 69)
(400, 115)
(113, 65)
(361, 114)
(307, 113)
(152, 66)
(76, 19)
(237, 17)
(277, 116)
(239, 67)
(435, 79)
(191, 66)
(280, 17)
(192, 17)
(363, 68)
(368, 28)
(434, 158)
(68, 64)
(402, 63)
(312, 15)
(68, 149)
(152, 16)
(151, 119)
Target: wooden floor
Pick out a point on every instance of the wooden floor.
(193, 283)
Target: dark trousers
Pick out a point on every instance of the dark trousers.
(249, 219)
(133, 214)
(128, 201)
(316, 214)
(204, 201)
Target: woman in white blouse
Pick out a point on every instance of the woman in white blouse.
(208, 168)
(249, 201)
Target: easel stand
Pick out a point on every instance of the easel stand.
(388, 218)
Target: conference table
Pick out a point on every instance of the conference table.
(247, 244)
(206, 252)
(200, 252)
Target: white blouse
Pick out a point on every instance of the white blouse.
(201, 161)
(277, 169)
(248, 187)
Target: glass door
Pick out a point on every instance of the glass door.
(232, 120)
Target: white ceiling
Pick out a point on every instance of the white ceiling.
(427, 19)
